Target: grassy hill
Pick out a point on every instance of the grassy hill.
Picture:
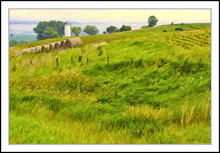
(143, 86)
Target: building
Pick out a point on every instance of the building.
(67, 29)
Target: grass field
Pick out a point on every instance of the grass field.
(26, 38)
(140, 87)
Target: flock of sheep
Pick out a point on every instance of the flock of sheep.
(64, 44)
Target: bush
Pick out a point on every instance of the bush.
(80, 58)
(125, 28)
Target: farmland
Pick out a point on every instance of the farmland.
(26, 38)
(142, 86)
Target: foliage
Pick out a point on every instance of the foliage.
(12, 43)
(112, 29)
(42, 26)
(76, 30)
(51, 33)
(125, 28)
(91, 30)
(80, 29)
(152, 21)
(171, 23)
(104, 32)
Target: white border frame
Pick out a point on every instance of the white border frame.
(116, 5)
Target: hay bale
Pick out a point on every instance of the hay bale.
(57, 45)
(178, 29)
(63, 44)
(73, 42)
(51, 46)
(45, 48)
(26, 51)
(38, 49)
(33, 50)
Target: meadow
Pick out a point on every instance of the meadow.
(26, 38)
(142, 86)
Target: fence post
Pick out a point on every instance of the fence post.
(131, 60)
(201, 62)
(57, 61)
(31, 63)
(107, 59)
(87, 61)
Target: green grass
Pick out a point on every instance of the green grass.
(162, 97)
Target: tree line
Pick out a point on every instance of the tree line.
(55, 29)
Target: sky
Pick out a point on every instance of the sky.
(22, 21)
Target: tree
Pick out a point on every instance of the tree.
(91, 30)
(75, 30)
(80, 29)
(152, 21)
(43, 25)
(171, 23)
(112, 29)
(13, 42)
(104, 32)
(51, 33)
(125, 28)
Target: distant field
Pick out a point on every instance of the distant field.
(26, 38)
(139, 87)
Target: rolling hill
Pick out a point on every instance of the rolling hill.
(137, 87)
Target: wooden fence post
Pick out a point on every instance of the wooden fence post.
(201, 62)
(31, 63)
(87, 61)
(107, 59)
(57, 61)
(131, 60)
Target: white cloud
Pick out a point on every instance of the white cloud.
(22, 28)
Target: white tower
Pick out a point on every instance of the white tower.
(67, 29)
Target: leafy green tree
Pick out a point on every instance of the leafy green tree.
(12, 42)
(104, 32)
(80, 29)
(75, 30)
(125, 28)
(51, 33)
(91, 30)
(171, 23)
(152, 21)
(112, 29)
(43, 25)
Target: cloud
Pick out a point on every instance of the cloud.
(22, 28)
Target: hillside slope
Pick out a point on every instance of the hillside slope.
(146, 86)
